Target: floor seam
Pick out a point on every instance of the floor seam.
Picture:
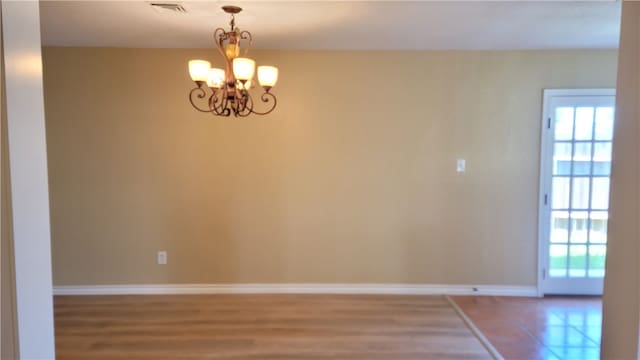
(474, 329)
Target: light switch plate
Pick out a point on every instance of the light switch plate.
(461, 165)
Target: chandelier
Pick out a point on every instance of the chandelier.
(223, 92)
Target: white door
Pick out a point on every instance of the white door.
(577, 136)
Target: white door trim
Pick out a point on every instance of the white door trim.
(545, 166)
(28, 179)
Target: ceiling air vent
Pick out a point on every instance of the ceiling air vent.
(168, 7)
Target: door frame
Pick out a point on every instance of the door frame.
(545, 167)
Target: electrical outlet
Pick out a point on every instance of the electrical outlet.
(461, 165)
(162, 257)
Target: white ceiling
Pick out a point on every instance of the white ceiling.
(361, 25)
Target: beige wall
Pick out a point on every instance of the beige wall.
(621, 301)
(351, 180)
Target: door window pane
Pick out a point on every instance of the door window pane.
(604, 123)
(602, 151)
(597, 255)
(582, 159)
(560, 226)
(562, 158)
(560, 192)
(558, 260)
(577, 260)
(598, 233)
(602, 168)
(582, 152)
(602, 158)
(564, 123)
(600, 193)
(581, 167)
(584, 123)
(580, 193)
(579, 223)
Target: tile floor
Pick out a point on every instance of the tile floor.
(565, 328)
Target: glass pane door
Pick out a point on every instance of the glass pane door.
(579, 138)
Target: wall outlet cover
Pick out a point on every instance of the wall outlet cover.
(162, 257)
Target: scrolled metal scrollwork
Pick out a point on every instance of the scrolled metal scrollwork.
(219, 37)
(245, 35)
(265, 98)
(199, 93)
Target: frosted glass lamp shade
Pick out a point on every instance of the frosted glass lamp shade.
(267, 76)
(244, 68)
(199, 70)
(215, 78)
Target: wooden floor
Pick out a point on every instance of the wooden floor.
(261, 327)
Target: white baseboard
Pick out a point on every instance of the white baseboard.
(391, 289)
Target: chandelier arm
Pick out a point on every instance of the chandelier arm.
(221, 105)
(219, 36)
(200, 94)
(265, 98)
(248, 105)
(224, 105)
(212, 102)
(215, 104)
(239, 105)
(247, 101)
(245, 35)
(232, 105)
(227, 107)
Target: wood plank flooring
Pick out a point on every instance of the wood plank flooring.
(261, 327)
